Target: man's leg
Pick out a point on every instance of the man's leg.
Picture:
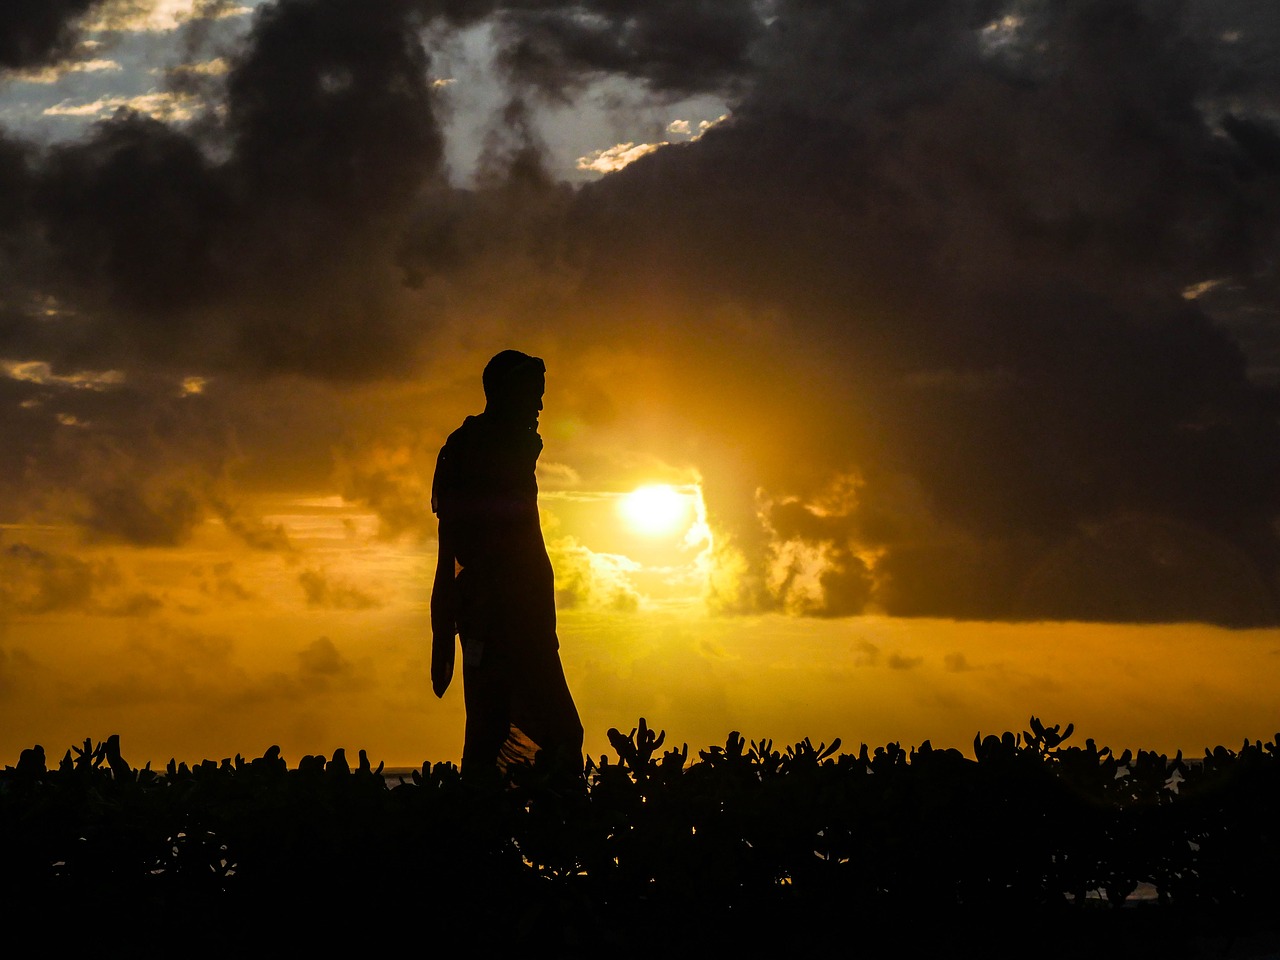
(487, 696)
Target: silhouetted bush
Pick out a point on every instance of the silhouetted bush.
(744, 845)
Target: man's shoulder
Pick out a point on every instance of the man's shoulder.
(449, 459)
(464, 451)
(467, 435)
(469, 427)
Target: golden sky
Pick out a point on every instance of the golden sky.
(946, 338)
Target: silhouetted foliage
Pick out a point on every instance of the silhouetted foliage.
(746, 845)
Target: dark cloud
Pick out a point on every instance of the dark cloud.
(320, 659)
(16, 184)
(673, 45)
(37, 32)
(394, 480)
(865, 653)
(330, 110)
(321, 667)
(323, 591)
(128, 460)
(222, 586)
(255, 533)
(815, 568)
(35, 581)
(130, 513)
(897, 661)
(134, 214)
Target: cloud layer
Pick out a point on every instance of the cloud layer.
(966, 309)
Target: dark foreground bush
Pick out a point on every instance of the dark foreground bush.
(1030, 847)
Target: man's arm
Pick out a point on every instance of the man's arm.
(444, 600)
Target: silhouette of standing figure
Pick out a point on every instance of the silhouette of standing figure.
(493, 585)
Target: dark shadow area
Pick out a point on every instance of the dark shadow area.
(1029, 848)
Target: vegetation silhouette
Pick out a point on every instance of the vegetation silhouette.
(744, 846)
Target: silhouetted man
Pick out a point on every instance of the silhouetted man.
(493, 584)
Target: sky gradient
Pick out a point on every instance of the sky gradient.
(953, 324)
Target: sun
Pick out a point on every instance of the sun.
(656, 510)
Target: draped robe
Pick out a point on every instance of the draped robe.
(501, 598)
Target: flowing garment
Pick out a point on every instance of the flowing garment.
(502, 596)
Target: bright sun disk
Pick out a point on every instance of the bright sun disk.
(655, 510)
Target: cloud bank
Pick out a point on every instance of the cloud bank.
(965, 310)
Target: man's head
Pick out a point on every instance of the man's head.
(513, 386)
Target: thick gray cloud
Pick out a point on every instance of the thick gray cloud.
(35, 32)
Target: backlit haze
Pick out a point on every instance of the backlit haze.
(911, 367)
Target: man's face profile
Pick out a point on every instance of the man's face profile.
(530, 400)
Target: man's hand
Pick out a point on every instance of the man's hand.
(444, 603)
(441, 664)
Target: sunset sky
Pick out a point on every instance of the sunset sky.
(943, 337)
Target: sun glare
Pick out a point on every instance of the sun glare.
(656, 511)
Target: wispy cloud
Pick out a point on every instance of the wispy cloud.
(38, 371)
(216, 67)
(614, 158)
(159, 16)
(51, 75)
(162, 105)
